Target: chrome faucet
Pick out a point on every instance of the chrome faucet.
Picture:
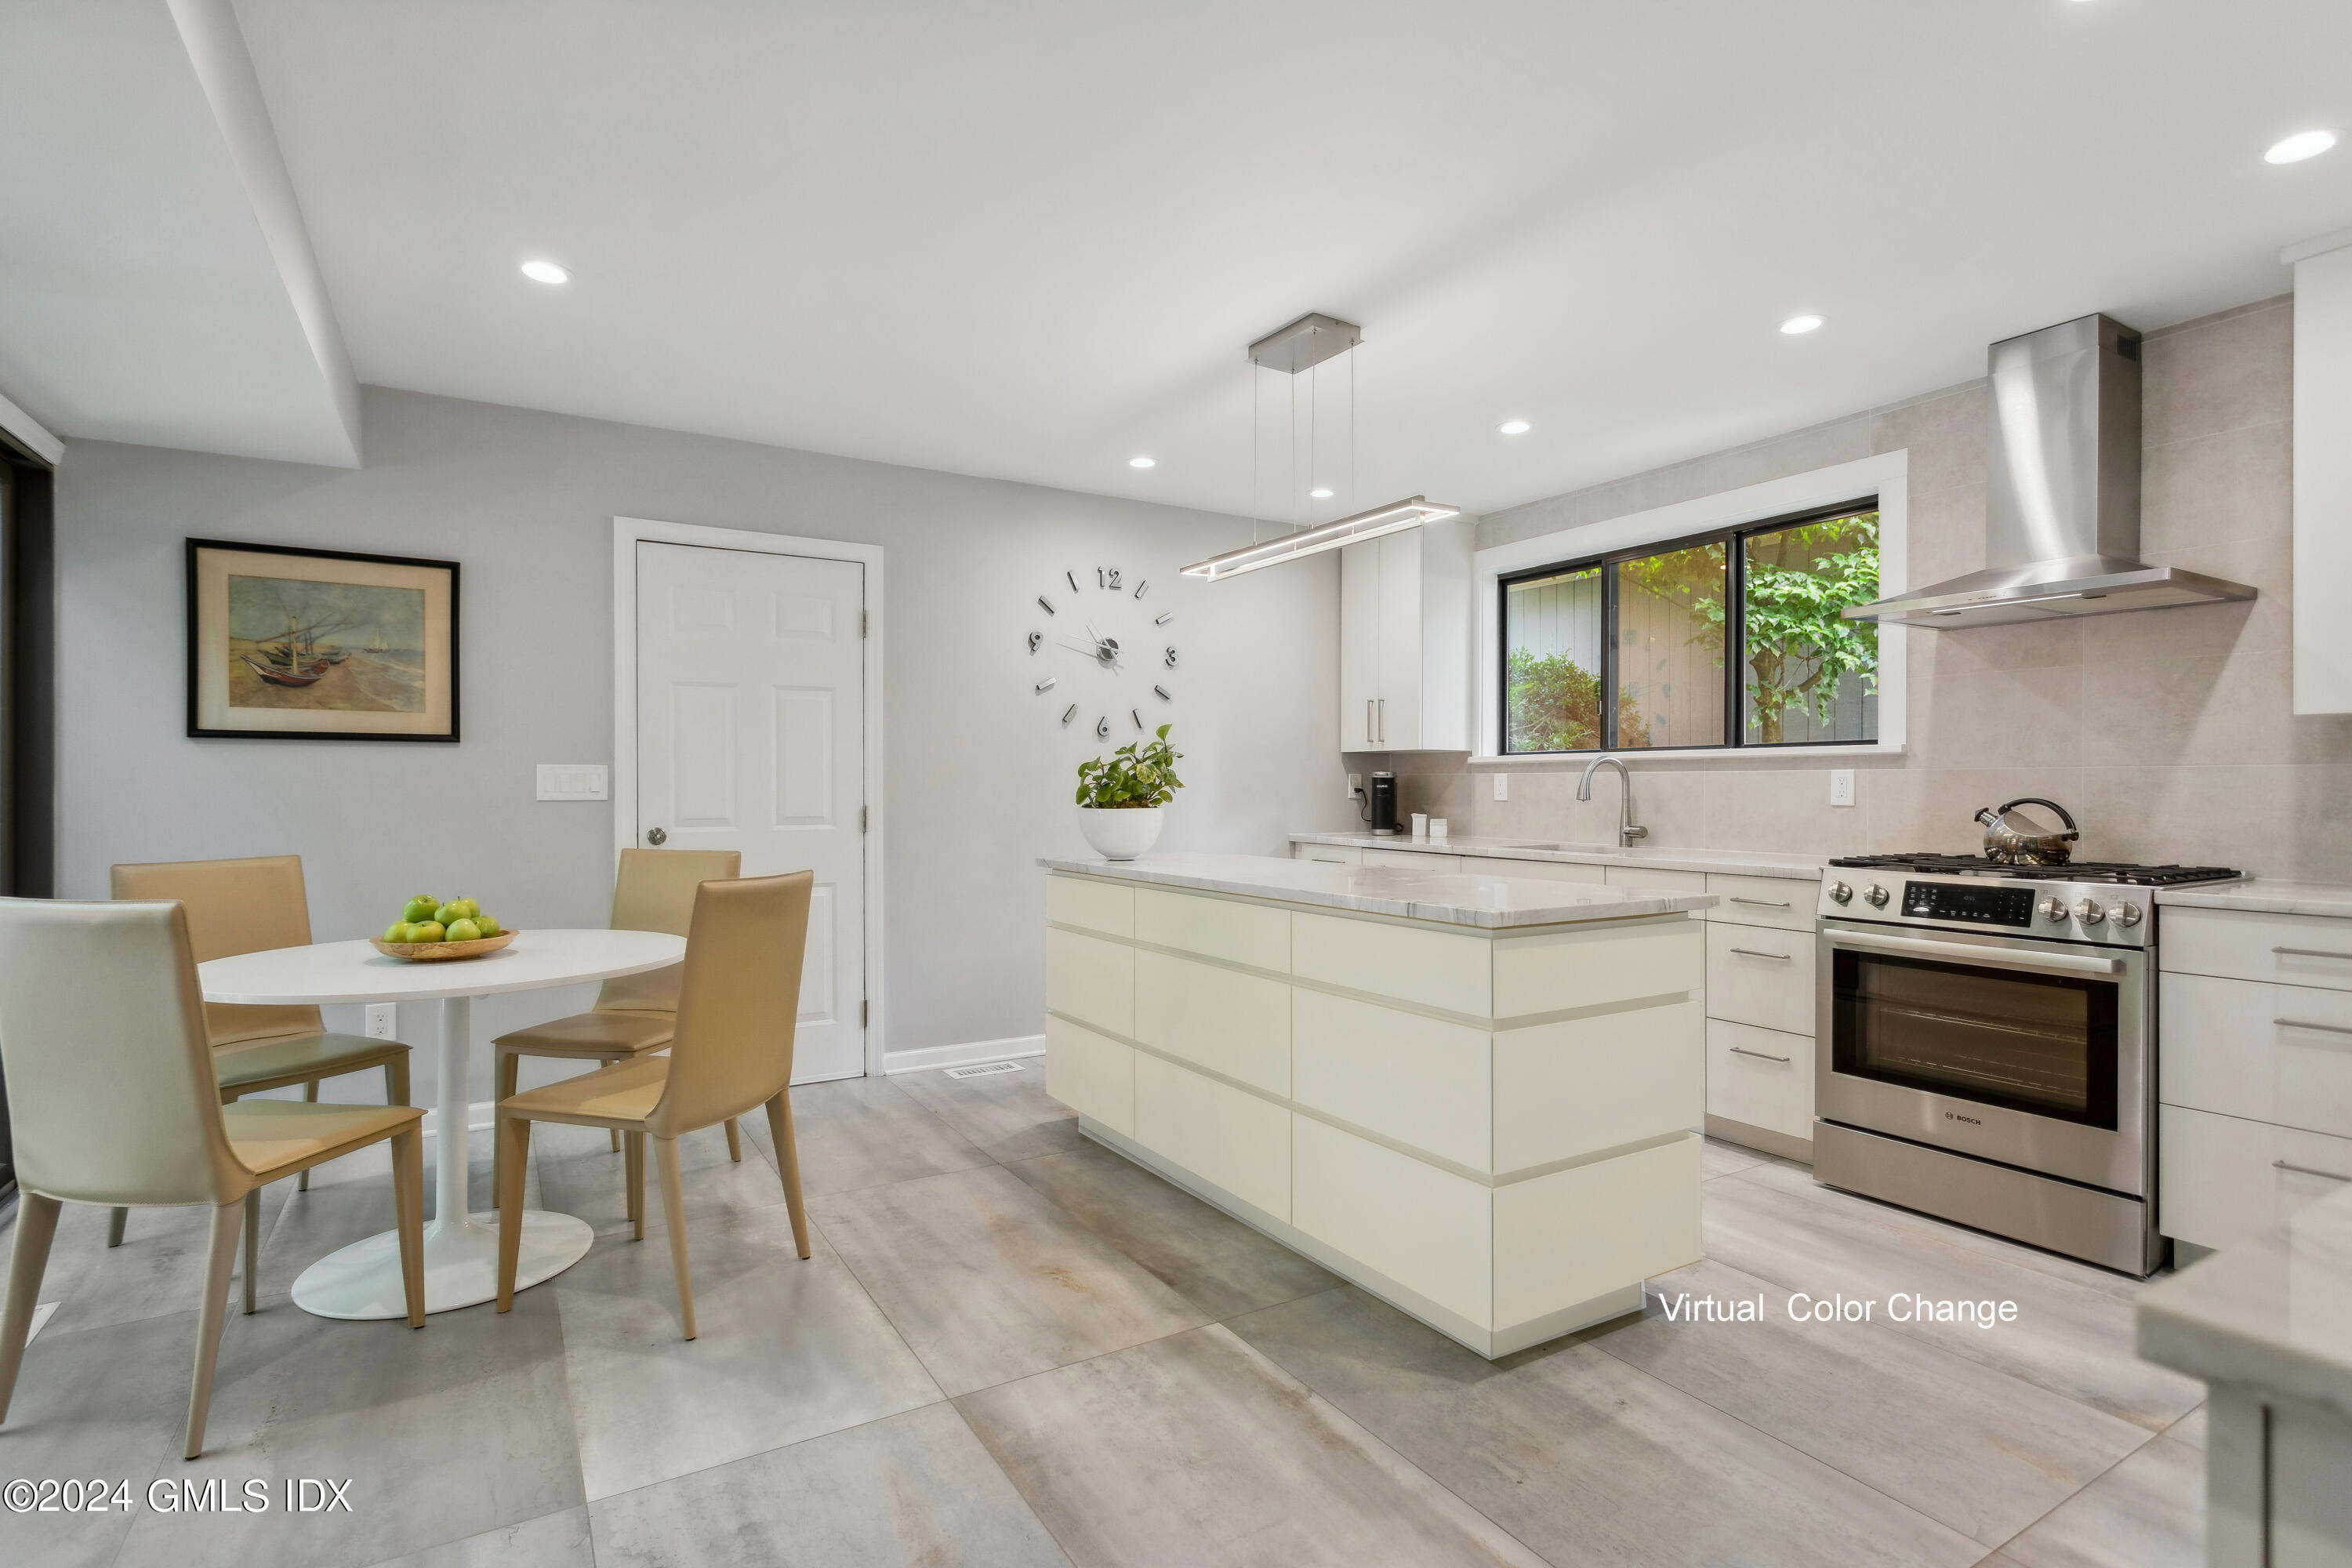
(1629, 833)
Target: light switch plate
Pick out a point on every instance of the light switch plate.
(571, 781)
(1841, 786)
(383, 1021)
(1502, 786)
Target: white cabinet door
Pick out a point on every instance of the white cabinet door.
(1360, 646)
(1397, 704)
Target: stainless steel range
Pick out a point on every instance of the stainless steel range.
(1987, 1045)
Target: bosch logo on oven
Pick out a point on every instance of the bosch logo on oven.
(1971, 1121)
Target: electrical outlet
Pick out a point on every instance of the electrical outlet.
(1355, 785)
(1841, 786)
(383, 1021)
(1502, 786)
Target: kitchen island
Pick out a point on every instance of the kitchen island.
(1473, 1096)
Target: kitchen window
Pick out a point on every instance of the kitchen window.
(1627, 651)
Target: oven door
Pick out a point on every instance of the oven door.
(2031, 1053)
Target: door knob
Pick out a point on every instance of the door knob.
(657, 837)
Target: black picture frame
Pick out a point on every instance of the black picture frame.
(441, 674)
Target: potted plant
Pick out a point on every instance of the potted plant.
(1119, 796)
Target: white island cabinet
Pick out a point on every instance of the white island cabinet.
(1473, 1096)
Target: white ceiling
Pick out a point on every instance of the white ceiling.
(1031, 240)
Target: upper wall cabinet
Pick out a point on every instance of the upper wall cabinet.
(1405, 641)
(2323, 475)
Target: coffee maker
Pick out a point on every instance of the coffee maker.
(1384, 805)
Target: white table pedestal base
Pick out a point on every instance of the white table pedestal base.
(461, 1249)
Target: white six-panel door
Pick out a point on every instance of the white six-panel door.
(750, 736)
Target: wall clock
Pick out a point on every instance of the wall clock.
(1099, 647)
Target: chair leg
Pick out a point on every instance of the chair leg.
(408, 1206)
(514, 1145)
(674, 1214)
(788, 1165)
(616, 1137)
(218, 1260)
(734, 1142)
(252, 1243)
(302, 1182)
(634, 1173)
(509, 1068)
(395, 1081)
(37, 1223)
(114, 1224)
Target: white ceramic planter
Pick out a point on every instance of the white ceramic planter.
(1119, 833)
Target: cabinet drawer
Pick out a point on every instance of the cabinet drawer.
(1764, 900)
(1214, 928)
(2298, 950)
(1429, 1230)
(1097, 906)
(1590, 965)
(2269, 1053)
(2220, 1179)
(1564, 1238)
(1761, 975)
(1091, 1075)
(1330, 854)
(1532, 870)
(1091, 979)
(1434, 968)
(1643, 879)
(1232, 1023)
(1418, 1080)
(1762, 1077)
(1582, 1085)
(1225, 1135)
(1414, 859)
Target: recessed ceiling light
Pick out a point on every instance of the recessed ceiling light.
(1321, 492)
(1143, 462)
(2301, 145)
(1796, 325)
(545, 272)
(1515, 427)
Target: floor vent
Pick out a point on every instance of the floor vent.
(982, 1069)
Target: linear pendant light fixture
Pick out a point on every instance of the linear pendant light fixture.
(1301, 346)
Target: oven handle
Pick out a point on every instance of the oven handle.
(1992, 957)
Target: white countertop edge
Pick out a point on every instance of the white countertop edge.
(2258, 896)
(379, 978)
(1730, 862)
(1439, 898)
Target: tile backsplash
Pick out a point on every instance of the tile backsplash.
(2168, 734)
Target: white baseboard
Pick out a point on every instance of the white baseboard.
(927, 1057)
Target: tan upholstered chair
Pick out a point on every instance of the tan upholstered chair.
(112, 1099)
(653, 891)
(245, 906)
(737, 1002)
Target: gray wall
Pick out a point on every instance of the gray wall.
(978, 772)
(2168, 732)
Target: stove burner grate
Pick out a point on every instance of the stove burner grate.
(2120, 872)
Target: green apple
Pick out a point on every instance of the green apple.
(427, 931)
(462, 930)
(466, 908)
(447, 913)
(487, 923)
(396, 932)
(420, 908)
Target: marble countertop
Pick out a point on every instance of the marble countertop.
(1448, 897)
(2274, 1311)
(1737, 862)
(2264, 897)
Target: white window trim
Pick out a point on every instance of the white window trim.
(1888, 474)
(629, 533)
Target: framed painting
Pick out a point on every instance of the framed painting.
(319, 645)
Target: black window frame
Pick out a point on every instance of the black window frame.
(1733, 540)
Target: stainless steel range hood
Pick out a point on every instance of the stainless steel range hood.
(2062, 506)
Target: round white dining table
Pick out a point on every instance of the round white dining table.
(461, 1249)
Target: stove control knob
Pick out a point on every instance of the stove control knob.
(1877, 896)
(2050, 909)
(1841, 892)
(2125, 913)
(2089, 913)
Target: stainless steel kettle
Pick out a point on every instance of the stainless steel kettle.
(2020, 841)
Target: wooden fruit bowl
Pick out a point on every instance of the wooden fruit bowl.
(442, 952)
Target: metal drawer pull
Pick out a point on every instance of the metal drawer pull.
(2284, 1165)
(1758, 952)
(2307, 1024)
(1761, 1056)
(2310, 953)
(1761, 903)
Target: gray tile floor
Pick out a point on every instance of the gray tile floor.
(1011, 1347)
